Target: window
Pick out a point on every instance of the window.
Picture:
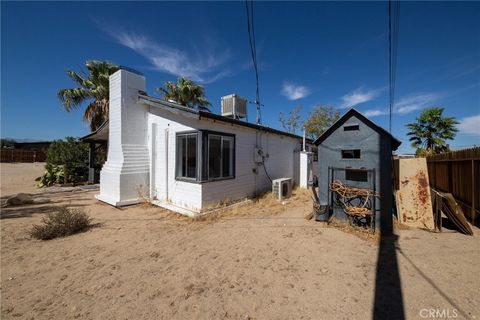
(187, 155)
(220, 156)
(204, 155)
(351, 154)
(353, 127)
(315, 154)
(356, 175)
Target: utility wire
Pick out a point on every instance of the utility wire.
(393, 26)
(253, 51)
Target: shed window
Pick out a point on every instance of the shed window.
(187, 155)
(356, 175)
(353, 127)
(220, 156)
(351, 154)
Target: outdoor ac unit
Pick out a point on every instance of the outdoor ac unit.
(282, 188)
(234, 106)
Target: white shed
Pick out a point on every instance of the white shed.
(188, 160)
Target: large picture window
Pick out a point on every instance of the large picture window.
(220, 156)
(187, 155)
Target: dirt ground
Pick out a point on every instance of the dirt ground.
(17, 177)
(147, 263)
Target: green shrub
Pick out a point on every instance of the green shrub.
(67, 161)
(61, 224)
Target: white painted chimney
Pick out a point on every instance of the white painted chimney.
(127, 167)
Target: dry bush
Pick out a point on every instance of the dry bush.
(361, 232)
(62, 223)
(145, 201)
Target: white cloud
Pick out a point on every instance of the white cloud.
(470, 125)
(203, 66)
(294, 92)
(407, 104)
(415, 102)
(359, 96)
(374, 112)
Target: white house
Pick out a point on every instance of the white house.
(189, 160)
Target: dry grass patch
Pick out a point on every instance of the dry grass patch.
(367, 234)
(62, 223)
(265, 204)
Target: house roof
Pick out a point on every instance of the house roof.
(352, 112)
(171, 106)
(99, 135)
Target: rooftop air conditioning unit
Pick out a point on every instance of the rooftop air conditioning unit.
(282, 188)
(234, 106)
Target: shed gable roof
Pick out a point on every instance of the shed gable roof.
(350, 113)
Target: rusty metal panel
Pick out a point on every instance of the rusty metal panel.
(414, 203)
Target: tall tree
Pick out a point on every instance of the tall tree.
(292, 122)
(319, 120)
(431, 131)
(92, 88)
(185, 92)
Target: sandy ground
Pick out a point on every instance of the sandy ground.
(146, 263)
(17, 177)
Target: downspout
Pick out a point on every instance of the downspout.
(303, 139)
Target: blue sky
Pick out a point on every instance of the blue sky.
(309, 53)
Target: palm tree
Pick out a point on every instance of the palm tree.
(94, 88)
(186, 93)
(431, 130)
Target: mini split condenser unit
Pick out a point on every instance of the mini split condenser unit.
(282, 188)
(234, 106)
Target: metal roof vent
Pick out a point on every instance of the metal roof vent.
(234, 106)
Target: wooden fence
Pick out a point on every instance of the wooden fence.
(458, 173)
(19, 155)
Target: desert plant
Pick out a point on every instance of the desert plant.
(67, 161)
(62, 223)
(186, 93)
(431, 131)
(92, 87)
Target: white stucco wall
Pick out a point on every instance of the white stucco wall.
(283, 158)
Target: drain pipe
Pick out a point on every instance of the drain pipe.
(304, 139)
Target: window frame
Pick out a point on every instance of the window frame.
(359, 156)
(177, 156)
(357, 172)
(202, 156)
(206, 156)
(351, 127)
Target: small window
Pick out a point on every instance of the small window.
(351, 154)
(353, 127)
(187, 155)
(220, 156)
(315, 154)
(356, 175)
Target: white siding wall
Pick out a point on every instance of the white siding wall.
(167, 189)
(283, 157)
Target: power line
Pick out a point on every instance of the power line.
(253, 51)
(393, 26)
